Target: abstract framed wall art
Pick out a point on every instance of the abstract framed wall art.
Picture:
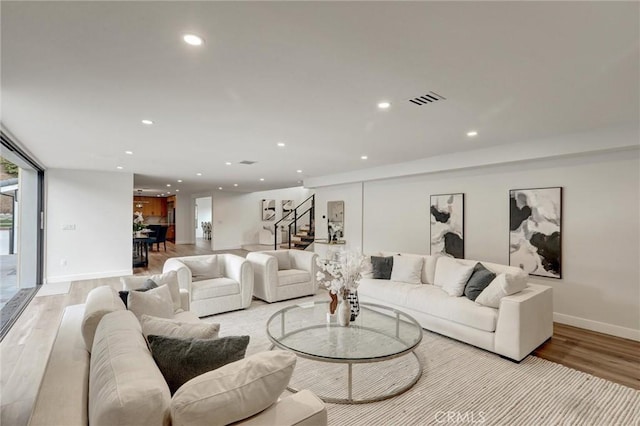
(535, 229)
(447, 224)
(287, 207)
(268, 209)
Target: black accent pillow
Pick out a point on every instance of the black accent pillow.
(182, 359)
(382, 267)
(148, 285)
(480, 278)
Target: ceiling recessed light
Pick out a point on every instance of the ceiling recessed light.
(129, 152)
(384, 105)
(179, 180)
(261, 179)
(162, 194)
(177, 190)
(168, 185)
(193, 39)
(228, 163)
(198, 174)
(220, 188)
(298, 171)
(158, 195)
(472, 133)
(147, 122)
(364, 157)
(281, 144)
(168, 192)
(119, 167)
(235, 184)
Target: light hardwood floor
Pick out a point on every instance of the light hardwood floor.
(24, 350)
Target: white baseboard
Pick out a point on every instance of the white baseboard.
(600, 327)
(91, 276)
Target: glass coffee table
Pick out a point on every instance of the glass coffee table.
(378, 334)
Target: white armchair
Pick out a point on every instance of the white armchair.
(283, 274)
(216, 282)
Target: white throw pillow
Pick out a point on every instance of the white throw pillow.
(233, 392)
(452, 275)
(502, 285)
(203, 269)
(284, 262)
(169, 278)
(407, 269)
(156, 303)
(174, 328)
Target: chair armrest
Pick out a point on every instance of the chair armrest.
(184, 273)
(525, 321)
(300, 409)
(239, 269)
(265, 275)
(185, 299)
(305, 260)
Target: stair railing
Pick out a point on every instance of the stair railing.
(294, 221)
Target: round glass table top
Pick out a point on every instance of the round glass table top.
(378, 333)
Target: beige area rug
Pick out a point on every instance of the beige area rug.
(53, 289)
(460, 384)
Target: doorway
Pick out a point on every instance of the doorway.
(203, 222)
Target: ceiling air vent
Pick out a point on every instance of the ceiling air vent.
(427, 99)
(247, 162)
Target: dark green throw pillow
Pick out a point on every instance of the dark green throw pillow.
(382, 267)
(478, 281)
(180, 360)
(148, 285)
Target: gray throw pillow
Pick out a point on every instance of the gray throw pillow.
(180, 360)
(148, 285)
(382, 267)
(480, 278)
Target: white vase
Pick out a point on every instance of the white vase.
(344, 313)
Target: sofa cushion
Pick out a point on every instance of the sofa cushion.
(382, 267)
(503, 285)
(428, 267)
(452, 275)
(203, 269)
(156, 302)
(407, 269)
(479, 280)
(100, 302)
(233, 392)
(431, 300)
(125, 384)
(293, 276)
(180, 360)
(169, 278)
(284, 262)
(176, 328)
(213, 288)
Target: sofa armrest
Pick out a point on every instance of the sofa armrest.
(184, 273)
(265, 275)
(525, 321)
(185, 299)
(300, 409)
(239, 269)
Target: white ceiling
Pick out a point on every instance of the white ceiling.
(77, 78)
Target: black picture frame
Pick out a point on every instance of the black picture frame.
(535, 230)
(446, 230)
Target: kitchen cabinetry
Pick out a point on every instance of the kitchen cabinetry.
(150, 206)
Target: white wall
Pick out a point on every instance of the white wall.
(237, 218)
(600, 288)
(204, 214)
(184, 220)
(98, 205)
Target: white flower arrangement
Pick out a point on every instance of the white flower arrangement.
(341, 272)
(138, 222)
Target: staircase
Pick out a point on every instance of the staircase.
(298, 225)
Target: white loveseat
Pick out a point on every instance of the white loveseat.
(521, 323)
(118, 382)
(215, 282)
(283, 274)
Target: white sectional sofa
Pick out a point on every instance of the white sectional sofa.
(118, 383)
(521, 323)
